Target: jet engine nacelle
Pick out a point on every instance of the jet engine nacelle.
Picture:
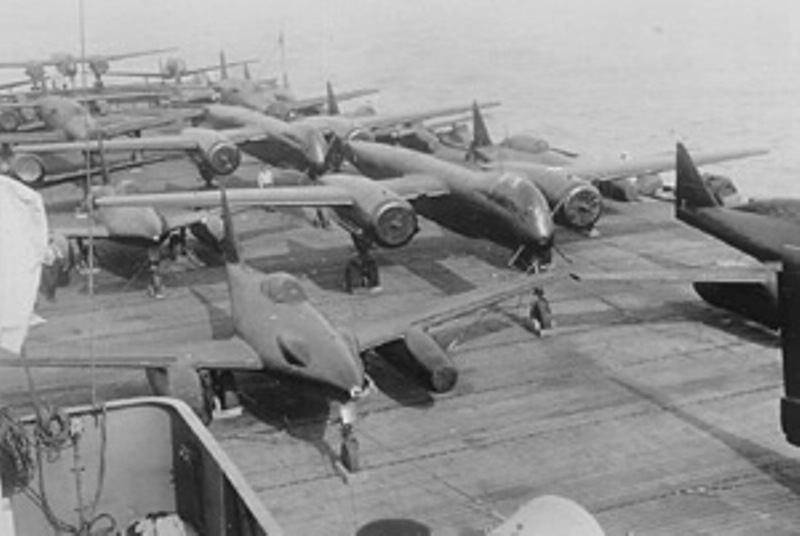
(580, 206)
(575, 202)
(386, 217)
(526, 143)
(360, 134)
(10, 120)
(99, 66)
(754, 301)
(181, 380)
(278, 110)
(422, 356)
(217, 152)
(27, 168)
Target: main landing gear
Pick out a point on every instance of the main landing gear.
(361, 271)
(540, 316)
(348, 452)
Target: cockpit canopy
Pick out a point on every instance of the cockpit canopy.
(283, 288)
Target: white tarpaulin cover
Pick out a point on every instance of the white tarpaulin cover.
(23, 245)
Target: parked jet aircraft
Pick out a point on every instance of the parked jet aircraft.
(501, 207)
(276, 101)
(374, 126)
(160, 232)
(67, 65)
(67, 119)
(175, 69)
(568, 182)
(298, 145)
(217, 152)
(761, 229)
(276, 330)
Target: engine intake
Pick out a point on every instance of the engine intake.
(27, 168)
(387, 218)
(217, 152)
(10, 120)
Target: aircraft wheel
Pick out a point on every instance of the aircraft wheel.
(369, 272)
(349, 454)
(352, 275)
(207, 385)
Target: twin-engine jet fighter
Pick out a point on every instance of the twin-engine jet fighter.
(161, 232)
(500, 207)
(67, 65)
(217, 152)
(275, 101)
(175, 69)
(762, 229)
(68, 119)
(567, 181)
(277, 331)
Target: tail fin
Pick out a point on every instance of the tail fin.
(690, 189)
(223, 65)
(788, 305)
(480, 134)
(333, 103)
(246, 72)
(229, 245)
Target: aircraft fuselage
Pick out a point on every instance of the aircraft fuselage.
(501, 207)
(272, 314)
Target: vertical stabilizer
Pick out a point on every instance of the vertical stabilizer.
(480, 134)
(788, 308)
(246, 72)
(230, 246)
(223, 65)
(691, 191)
(333, 103)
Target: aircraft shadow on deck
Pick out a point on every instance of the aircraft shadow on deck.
(783, 470)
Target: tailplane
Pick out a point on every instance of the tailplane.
(229, 245)
(691, 191)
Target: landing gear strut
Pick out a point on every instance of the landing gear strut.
(539, 314)
(348, 452)
(156, 287)
(361, 271)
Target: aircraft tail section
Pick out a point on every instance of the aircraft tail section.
(223, 65)
(230, 246)
(333, 103)
(480, 134)
(690, 189)
(788, 305)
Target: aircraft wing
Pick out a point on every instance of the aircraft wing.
(115, 127)
(89, 230)
(136, 74)
(371, 334)
(32, 137)
(316, 102)
(654, 164)
(80, 174)
(138, 54)
(304, 196)
(762, 273)
(416, 185)
(379, 122)
(171, 142)
(228, 354)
